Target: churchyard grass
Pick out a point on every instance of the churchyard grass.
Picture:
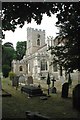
(19, 103)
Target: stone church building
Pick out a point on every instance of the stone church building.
(37, 60)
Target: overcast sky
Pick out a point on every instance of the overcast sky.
(20, 34)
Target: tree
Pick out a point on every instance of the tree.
(8, 54)
(20, 49)
(68, 55)
(8, 44)
(5, 70)
(68, 22)
(15, 13)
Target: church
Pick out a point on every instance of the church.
(37, 60)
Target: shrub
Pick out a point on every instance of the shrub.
(11, 75)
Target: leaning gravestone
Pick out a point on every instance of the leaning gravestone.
(65, 89)
(76, 97)
(30, 80)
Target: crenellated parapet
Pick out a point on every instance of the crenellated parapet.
(35, 29)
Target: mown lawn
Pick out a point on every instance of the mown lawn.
(54, 107)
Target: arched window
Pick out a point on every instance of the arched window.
(20, 68)
(38, 41)
(43, 65)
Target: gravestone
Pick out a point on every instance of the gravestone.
(65, 89)
(53, 89)
(76, 97)
(21, 79)
(15, 81)
(30, 80)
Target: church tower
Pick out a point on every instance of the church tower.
(35, 40)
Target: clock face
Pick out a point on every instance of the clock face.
(38, 35)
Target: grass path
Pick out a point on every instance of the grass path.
(54, 107)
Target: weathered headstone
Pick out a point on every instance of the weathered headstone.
(21, 79)
(53, 90)
(76, 97)
(65, 89)
(15, 81)
(30, 80)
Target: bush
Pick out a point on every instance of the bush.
(11, 75)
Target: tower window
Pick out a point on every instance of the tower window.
(38, 42)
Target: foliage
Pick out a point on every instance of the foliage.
(5, 70)
(8, 44)
(8, 54)
(16, 13)
(11, 75)
(20, 49)
(67, 54)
